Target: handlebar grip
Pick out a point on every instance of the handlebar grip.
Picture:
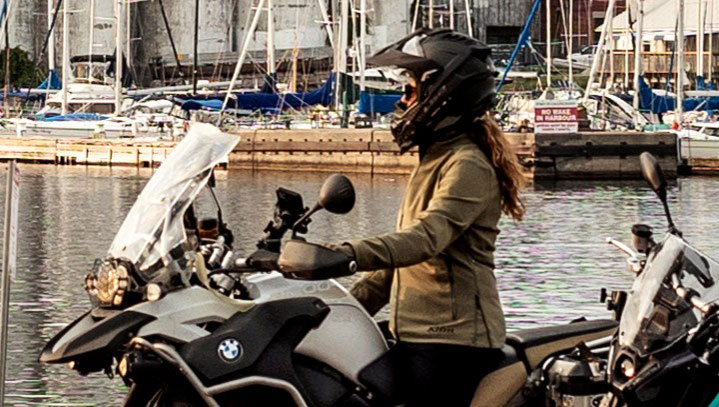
(263, 260)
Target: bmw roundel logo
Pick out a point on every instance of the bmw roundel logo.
(230, 350)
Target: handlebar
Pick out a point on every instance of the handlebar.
(634, 263)
(692, 297)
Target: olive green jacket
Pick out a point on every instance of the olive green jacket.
(436, 271)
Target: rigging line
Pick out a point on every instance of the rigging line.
(47, 36)
(217, 70)
(172, 41)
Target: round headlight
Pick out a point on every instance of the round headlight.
(110, 283)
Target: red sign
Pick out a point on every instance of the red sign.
(556, 116)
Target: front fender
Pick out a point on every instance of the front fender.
(93, 334)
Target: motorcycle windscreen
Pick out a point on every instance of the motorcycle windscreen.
(655, 315)
(154, 226)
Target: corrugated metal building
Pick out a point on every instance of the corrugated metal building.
(298, 26)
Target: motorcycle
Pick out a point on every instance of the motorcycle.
(666, 350)
(184, 320)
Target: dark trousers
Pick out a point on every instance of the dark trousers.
(440, 375)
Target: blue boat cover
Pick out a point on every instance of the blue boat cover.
(21, 95)
(662, 104)
(377, 103)
(54, 80)
(75, 117)
(271, 102)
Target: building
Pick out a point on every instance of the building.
(658, 52)
(302, 43)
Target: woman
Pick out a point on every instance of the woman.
(436, 271)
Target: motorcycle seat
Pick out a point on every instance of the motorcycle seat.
(536, 344)
(499, 386)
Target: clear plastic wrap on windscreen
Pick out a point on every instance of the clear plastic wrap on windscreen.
(655, 315)
(154, 227)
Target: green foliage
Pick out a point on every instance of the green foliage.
(22, 69)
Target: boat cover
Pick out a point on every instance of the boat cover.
(270, 102)
(75, 117)
(662, 104)
(54, 79)
(377, 102)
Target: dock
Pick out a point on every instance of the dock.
(587, 155)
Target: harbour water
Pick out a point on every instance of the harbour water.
(550, 267)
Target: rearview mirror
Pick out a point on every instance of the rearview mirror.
(337, 194)
(653, 174)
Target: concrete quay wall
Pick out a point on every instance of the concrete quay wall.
(601, 155)
(591, 155)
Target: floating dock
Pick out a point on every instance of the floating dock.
(589, 155)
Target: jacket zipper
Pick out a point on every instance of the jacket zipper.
(451, 289)
(396, 304)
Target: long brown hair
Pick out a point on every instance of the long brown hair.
(500, 152)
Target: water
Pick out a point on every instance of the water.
(550, 267)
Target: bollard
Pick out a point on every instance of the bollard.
(8, 269)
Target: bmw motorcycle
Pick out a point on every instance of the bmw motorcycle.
(184, 320)
(666, 350)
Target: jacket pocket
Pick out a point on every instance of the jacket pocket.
(452, 288)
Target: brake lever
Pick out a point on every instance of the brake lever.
(624, 248)
(634, 263)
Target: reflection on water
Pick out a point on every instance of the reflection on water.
(550, 267)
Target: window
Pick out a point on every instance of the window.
(503, 34)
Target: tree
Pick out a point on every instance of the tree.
(22, 69)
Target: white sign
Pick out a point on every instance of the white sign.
(14, 203)
(556, 116)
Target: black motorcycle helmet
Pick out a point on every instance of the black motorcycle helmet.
(455, 81)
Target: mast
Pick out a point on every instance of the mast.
(194, 59)
(679, 38)
(363, 46)
(711, 39)
(567, 37)
(431, 14)
(416, 14)
(451, 14)
(700, 39)
(611, 50)
(50, 45)
(118, 56)
(7, 75)
(638, 48)
(65, 57)
(549, 43)
(128, 36)
(270, 40)
(600, 49)
(571, 43)
(342, 66)
(469, 18)
(627, 35)
(327, 24)
(91, 41)
(243, 53)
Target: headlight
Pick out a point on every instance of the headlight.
(628, 369)
(108, 283)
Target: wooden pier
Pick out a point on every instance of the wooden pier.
(590, 155)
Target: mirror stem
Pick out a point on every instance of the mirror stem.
(672, 229)
(306, 216)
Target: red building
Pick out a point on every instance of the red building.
(587, 16)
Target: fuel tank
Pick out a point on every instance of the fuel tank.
(347, 340)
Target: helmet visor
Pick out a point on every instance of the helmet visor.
(407, 53)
